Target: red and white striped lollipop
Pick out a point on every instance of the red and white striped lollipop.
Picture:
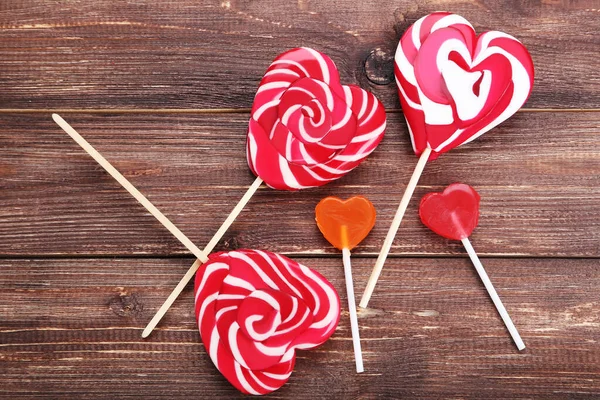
(306, 129)
(454, 86)
(254, 309)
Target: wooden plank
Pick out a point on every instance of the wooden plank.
(204, 54)
(71, 328)
(538, 175)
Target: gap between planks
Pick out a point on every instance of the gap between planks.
(225, 110)
(9, 257)
(291, 254)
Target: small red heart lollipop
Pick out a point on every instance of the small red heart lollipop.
(453, 214)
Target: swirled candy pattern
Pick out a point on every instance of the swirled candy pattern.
(306, 129)
(254, 309)
(454, 86)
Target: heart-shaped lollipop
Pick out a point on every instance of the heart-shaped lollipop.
(453, 85)
(306, 128)
(345, 224)
(254, 309)
(356, 214)
(453, 214)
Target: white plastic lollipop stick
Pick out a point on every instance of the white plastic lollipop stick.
(352, 309)
(389, 239)
(208, 249)
(492, 292)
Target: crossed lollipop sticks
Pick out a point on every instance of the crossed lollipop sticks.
(202, 255)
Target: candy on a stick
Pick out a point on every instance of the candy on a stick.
(305, 130)
(202, 255)
(254, 309)
(454, 86)
(454, 214)
(345, 224)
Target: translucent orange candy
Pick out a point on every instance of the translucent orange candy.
(345, 223)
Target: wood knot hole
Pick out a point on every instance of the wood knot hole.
(379, 66)
(233, 242)
(126, 304)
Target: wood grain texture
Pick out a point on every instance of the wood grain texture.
(166, 87)
(70, 328)
(538, 175)
(212, 54)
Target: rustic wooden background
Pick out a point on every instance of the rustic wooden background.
(163, 88)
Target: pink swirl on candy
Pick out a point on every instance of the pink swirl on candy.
(306, 129)
(455, 86)
(254, 309)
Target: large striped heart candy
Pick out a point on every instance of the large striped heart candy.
(306, 129)
(254, 309)
(455, 86)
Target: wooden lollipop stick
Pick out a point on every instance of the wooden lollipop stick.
(208, 249)
(389, 239)
(352, 310)
(492, 292)
(201, 255)
(130, 188)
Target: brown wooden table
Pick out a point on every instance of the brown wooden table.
(163, 89)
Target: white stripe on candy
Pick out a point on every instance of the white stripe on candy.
(247, 345)
(467, 113)
(293, 151)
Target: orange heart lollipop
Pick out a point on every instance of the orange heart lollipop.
(345, 224)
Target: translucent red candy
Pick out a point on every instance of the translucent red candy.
(453, 214)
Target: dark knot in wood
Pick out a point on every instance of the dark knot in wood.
(126, 304)
(379, 66)
(231, 243)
